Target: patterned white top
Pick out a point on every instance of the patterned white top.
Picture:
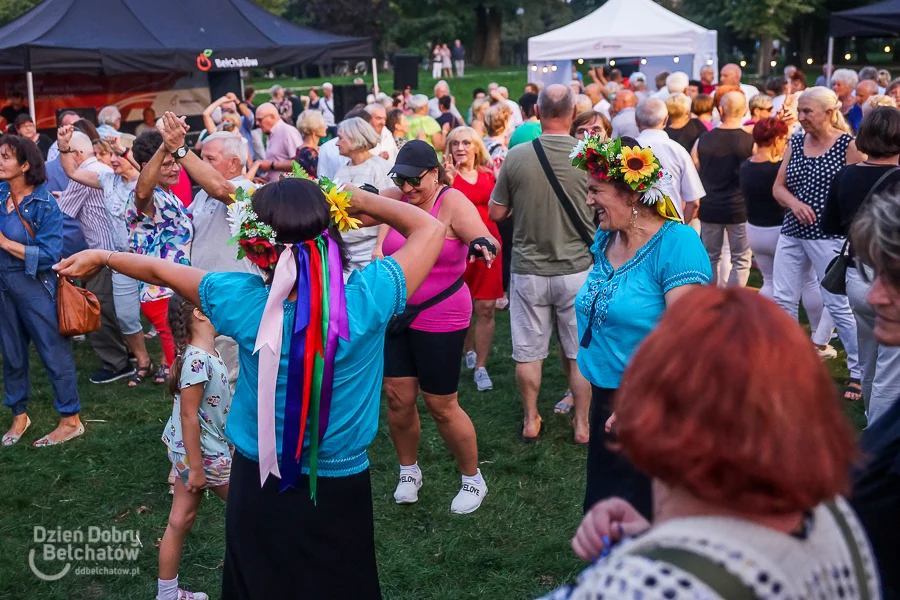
(773, 565)
(809, 179)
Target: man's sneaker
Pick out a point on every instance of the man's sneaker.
(186, 595)
(407, 491)
(105, 376)
(827, 353)
(483, 380)
(471, 360)
(469, 498)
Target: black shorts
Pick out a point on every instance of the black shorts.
(434, 358)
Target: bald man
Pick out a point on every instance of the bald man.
(865, 90)
(624, 124)
(718, 155)
(283, 141)
(594, 91)
(731, 75)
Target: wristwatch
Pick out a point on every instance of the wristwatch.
(180, 153)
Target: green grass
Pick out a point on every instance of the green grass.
(515, 546)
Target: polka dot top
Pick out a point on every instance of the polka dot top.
(808, 179)
(773, 565)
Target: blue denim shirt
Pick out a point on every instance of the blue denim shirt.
(46, 220)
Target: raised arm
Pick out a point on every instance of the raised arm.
(208, 112)
(146, 183)
(155, 271)
(424, 234)
(67, 160)
(212, 182)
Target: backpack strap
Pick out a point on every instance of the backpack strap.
(716, 577)
(862, 580)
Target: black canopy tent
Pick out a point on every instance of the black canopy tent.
(874, 20)
(138, 36)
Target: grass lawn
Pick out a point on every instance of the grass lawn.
(515, 546)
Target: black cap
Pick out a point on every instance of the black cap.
(414, 158)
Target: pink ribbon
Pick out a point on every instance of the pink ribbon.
(268, 348)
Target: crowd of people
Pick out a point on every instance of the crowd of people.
(621, 219)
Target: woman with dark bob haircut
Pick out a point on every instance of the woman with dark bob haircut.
(879, 138)
(31, 226)
(748, 462)
(308, 531)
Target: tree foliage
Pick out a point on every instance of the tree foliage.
(11, 10)
(754, 19)
(276, 7)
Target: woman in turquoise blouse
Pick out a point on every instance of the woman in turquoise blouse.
(311, 534)
(645, 259)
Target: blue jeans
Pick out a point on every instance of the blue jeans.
(29, 314)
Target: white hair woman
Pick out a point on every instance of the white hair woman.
(356, 138)
(875, 102)
(468, 168)
(802, 186)
(110, 119)
(681, 127)
(760, 107)
(844, 82)
(313, 127)
(422, 126)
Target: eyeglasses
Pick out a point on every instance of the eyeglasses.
(400, 180)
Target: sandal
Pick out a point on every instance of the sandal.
(140, 374)
(162, 375)
(562, 407)
(853, 391)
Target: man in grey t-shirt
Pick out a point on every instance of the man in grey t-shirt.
(219, 174)
(550, 260)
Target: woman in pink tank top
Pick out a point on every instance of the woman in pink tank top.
(425, 355)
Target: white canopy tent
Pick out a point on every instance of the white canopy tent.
(624, 28)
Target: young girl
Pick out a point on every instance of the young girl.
(195, 434)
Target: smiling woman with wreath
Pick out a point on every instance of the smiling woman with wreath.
(644, 260)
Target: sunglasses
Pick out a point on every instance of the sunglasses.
(400, 180)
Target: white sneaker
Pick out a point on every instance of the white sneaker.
(407, 491)
(186, 595)
(483, 380)
(469, 498)
(471, 360)
(827, 353)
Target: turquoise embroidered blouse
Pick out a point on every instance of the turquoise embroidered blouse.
(234, 303)
(622, 306)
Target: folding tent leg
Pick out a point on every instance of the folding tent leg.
(829, 62)
(29, 80)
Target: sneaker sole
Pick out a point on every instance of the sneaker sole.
(469, 512)
(116, 378)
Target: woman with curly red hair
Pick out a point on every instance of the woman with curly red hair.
(748, 462)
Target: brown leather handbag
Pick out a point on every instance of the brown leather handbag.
(78, 309)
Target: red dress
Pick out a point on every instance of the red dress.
(484, 283)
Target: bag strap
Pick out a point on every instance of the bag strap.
(24, 222)
(862, 580)
(435, 300)
(561, 194)
(716, 577)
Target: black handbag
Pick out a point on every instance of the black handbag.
(400, 323)
(835, 279)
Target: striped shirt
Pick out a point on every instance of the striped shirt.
(87, 206)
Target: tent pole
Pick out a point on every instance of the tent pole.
(29, 81)
(375, 76)
(829, 62)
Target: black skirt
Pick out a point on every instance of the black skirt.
(281, 545)
(609, 473)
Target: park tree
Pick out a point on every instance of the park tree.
(762, 20)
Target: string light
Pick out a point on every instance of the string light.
(553, 68)
(534, 67)
(773, 63)
(676, 59)
(809, 61)
(612, 63)
(743, 63)
(709, 61)
(887, 48)
(847, 56)
(643, 61)
(545, 70)
(580, 61)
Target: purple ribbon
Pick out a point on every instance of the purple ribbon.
(293, 405)
(338, 325)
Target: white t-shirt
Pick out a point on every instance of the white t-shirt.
(361, 242)
(603, 107)
(330, 159)
(676, 161)
(210, 250)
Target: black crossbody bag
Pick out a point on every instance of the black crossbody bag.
(400, 323)
(564, 199)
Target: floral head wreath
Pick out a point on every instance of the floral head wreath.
(314, 269)
(637, 167)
